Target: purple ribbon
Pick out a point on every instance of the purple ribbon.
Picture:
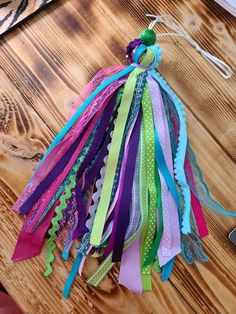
(93, 150)
(47, 181)
(121, 221)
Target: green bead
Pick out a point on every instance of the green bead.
(148, 36)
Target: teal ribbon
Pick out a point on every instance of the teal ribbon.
(81, 109)
(160, 160)
(167, 269)
(72, 275)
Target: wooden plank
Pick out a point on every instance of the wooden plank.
(14, 11)
(48, 60)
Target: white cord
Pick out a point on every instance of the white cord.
(179, 31)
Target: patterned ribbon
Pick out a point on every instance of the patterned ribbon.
(59, 180)
(94, 148)
(73, 222)
(38, 212)
(21, 254)
(180, 154)
(170, 241)
(113, 79)
(104, 202)
(107, 264)
(149, 162)
(124, 159)
(56, 153)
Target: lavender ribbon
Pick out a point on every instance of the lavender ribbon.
(170, 241)
(130, 271)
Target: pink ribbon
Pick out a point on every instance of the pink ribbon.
(196, 205)
(100, 77)
(45, 199)
(30, 244)
(59, 150)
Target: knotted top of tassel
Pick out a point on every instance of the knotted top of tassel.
(137, 48)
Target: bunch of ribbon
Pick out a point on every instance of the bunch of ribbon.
(121, 176)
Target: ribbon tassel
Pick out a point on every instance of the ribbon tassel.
(121, 177)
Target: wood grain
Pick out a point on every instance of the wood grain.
(44, 64)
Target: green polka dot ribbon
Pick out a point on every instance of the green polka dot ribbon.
(152, 255)
(107, 264)
(150, 195)
(123, 112)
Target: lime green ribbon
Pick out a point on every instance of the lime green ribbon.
(55, 222)
(152, 255)
(107, 264)
(59, 212)
(149, 231)
(123, 111)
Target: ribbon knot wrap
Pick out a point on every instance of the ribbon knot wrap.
(121, 178)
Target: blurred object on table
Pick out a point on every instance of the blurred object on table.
(229, 5)
(14, 11)
(7, 305)
(232, 236)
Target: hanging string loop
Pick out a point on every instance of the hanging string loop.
(168, 20)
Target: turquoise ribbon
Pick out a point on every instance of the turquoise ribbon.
(160, 159)
(82, 250)
(180, 155)
(81, 109)
(141, 49)
(72, 275)
(167, 270)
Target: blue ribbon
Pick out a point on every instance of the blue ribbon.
(72, 275)
(160, 159)
(167, 269)
(81, 109)
(82, 251)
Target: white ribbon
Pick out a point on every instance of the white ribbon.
(179, 31)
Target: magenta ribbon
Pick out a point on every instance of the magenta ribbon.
(45, 199)
(30, 244)
(100, 77)
(196, 205)
(170, 241)
(59, 150)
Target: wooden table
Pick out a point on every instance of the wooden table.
(44, 63)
